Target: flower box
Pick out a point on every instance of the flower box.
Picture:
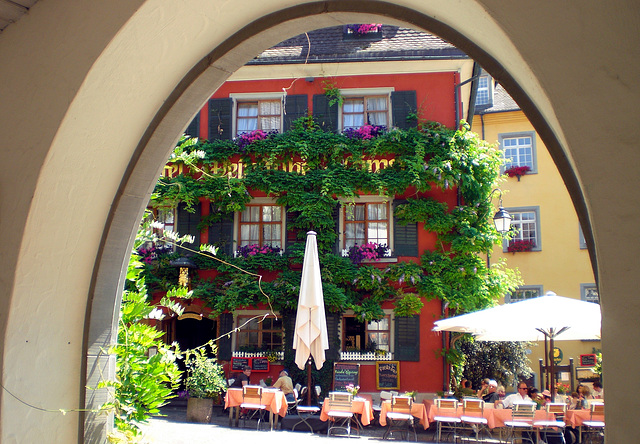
(517, 171)
(367, 252)
(516, 246)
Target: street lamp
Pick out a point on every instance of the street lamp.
(502, 219)
(184, 263)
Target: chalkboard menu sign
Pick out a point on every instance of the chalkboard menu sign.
(345, 373)
(238, 363)
(387, 375)
(260, 364)
(588, 360)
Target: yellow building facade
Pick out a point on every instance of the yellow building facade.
(544, 213)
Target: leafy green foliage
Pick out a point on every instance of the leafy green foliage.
(506, 362)
(311, 172)
(205, 377)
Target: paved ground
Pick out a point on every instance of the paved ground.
(173, 429)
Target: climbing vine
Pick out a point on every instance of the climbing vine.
(311, 172)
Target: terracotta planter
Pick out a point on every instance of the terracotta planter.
(199, 410)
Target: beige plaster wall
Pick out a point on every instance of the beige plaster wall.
(94, 95)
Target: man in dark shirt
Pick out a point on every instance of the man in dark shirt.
(492, 396)
(243, 378)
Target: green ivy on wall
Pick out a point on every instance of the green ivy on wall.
(336, 169)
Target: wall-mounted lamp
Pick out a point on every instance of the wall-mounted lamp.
(184, 263)
(502, 219)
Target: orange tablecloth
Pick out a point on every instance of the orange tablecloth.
(418, 410)
(361, 405)
(274, 400)
(495, 417)
(575, 418)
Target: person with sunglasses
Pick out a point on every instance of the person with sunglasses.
(519, 397)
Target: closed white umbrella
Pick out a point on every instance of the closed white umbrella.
(310, 336)
(546, 317)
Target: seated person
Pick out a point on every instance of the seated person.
(285, 384)
(243, 378)
(598, 390)
(492, 396)
(520, 397)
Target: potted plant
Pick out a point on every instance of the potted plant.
(205, 382)
(517, 171)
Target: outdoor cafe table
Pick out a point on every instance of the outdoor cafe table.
(575, 419)
(362, 405)
(274, 400)
(418, 410)
(495, 417)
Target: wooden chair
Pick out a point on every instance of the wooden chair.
(400, 418)
(339, 412)
(594, 427)
(252, 402)
(522, 422)
(553, 426)
(446, 418)
(473, 418)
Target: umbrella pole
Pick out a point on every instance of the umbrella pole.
(551, 362)
(546, 364)
(309, 368)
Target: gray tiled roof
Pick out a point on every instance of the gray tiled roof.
(502, 102)
(329, 44)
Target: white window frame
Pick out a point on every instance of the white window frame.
(534, 158)
(585, 289)
(488, 88)
(252, 97)
(260, 201)
(508, 297)
(366, 92)
(360, 200)
(536, 211)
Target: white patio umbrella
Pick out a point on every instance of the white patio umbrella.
(310, 335)
(549, 317)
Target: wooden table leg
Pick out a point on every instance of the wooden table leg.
(231, 416)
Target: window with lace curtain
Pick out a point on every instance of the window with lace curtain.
(366, 110)
(265, 115)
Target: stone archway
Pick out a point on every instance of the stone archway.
(115, 104)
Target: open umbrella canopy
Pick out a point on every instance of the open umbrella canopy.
(310, 336)
(530, 320)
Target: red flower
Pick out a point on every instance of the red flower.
(517, 171)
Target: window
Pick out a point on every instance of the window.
(519, 150)
(525, 223)
(369, 336)
(260, 114)
(165, 216)
(484, 94)
(360, 111)
(261, 225)
(366, 223)
(524, 292)
(589, 293)
(259, 334)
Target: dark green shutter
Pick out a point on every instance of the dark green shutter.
(407, 338)
(193, 130)
(333, 323)
(326, 116)
(405, 237)
(403, 103)
(220, 119)
(295, 107)
(221, 234)
(224, 344)
(188, 223)
(291, 235)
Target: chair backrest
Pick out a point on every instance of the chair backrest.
(318, 390)
(298, 387)
(446, 406)
(385, 396)
(340, 400)
(295, 397)
(252, 394)
(597, 410)
(557, 408)
(401, 404)
(473, 406)
(524, 412)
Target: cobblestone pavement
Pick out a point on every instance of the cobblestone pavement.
(173, 429)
